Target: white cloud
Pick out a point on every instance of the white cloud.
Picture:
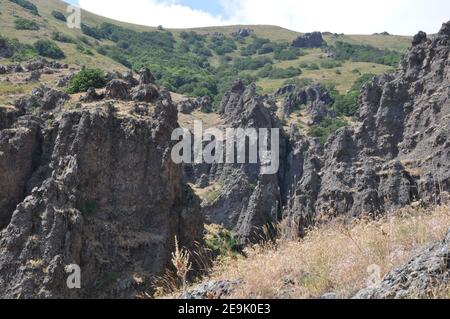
(152, 13)
(347, 16)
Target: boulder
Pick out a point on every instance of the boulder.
(91, 96)
(417, 279)
(146, 77)
(215, 289)
(309, 40)
(145, 93)
(117, 89)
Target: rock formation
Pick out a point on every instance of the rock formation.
(94, 189)
(398, 151)
(309, 40)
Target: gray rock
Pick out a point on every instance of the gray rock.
(418, 278)
(96, 190)
(117, 89)
(91, 96)
(145, 93)
(309, 40)
(215, 289)
(146, 77)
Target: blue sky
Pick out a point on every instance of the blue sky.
(347, 16)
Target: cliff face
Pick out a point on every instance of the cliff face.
(396, 153)
(94, 188)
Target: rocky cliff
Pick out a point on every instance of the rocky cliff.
(93, 186)
(395, 153)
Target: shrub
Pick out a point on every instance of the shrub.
(27, 5)
(313, 66)
(288, 54)
(92, 32)
(278, 73)
(84, 50)
(324, 130)
(60, 37)
(330, 64)
(251, 63)
(86, 79)
(25, 24)
(366, 53)
(221, 241)
(59, 16)
(49, 49)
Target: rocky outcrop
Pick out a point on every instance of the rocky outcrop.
(215, 289)
(243, 32)
(43, 98)
(6, 51)
(309, 40)
(316, 99)
(246, 199)
(420, 278)
(396, 153)
(93, 189)
(117, 89)
(188, 106)
(91, 96)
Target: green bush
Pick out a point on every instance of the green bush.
(288, 54)
(278, 73)
(60, 37)
(330, 64)
(25, 24)
(48, 49)
(59, 16)
(366, 53)
(324, 130)
(221, 241)
(86, 79)
(27, 5)
(84, 50)
(313, 66)
(252, 63)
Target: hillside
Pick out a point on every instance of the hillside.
(201, 61)
(90, 176)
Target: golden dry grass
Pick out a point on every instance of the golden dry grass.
(335, 257)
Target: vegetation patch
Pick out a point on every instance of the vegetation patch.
(48, 49)
(27, 5)
(327, 127)
(366, 53)
(86, 79)
(25, 24)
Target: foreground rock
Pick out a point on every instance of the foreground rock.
(93, 189)
(215, 289)
(421, 277)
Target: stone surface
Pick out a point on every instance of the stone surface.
(215, 289)
(309, 40)
(92, 189)
(419, 278)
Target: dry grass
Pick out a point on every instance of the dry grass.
(335, 257)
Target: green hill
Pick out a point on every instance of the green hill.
(201, 61)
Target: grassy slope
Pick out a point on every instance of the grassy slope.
(48, 25)
(336, 257)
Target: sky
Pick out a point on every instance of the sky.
(402, 17)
